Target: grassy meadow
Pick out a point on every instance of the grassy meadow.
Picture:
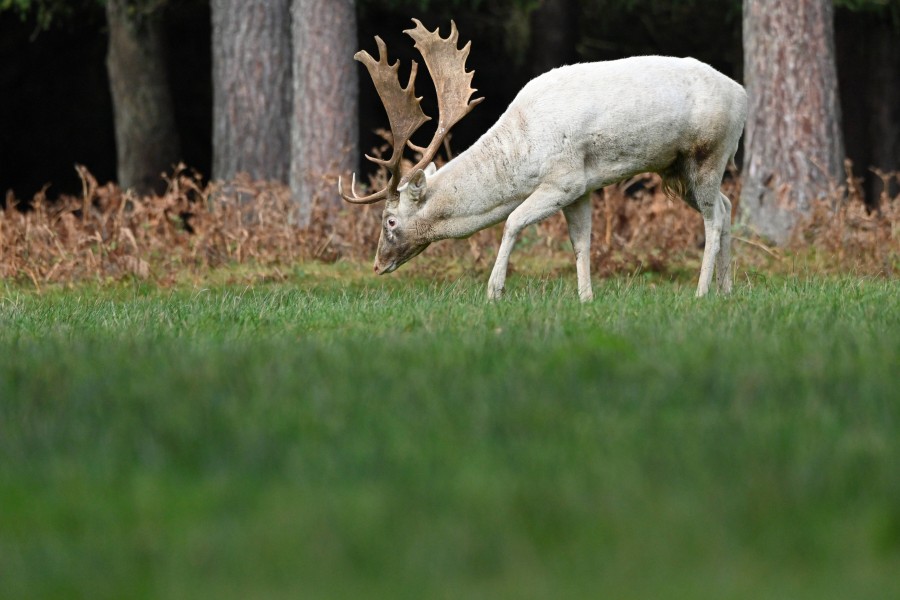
(328, 434)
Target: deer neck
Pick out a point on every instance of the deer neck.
(478, 188)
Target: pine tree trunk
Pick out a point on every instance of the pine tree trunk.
(251, 55)
(324, 128)
(146, 137)
(793, 144)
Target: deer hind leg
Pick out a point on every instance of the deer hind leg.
(723, 258)
(578, 220)
(538, 206)
(701, 176)
(708, 201)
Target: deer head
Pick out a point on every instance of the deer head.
(403, 234)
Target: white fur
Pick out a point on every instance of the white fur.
(576, 129)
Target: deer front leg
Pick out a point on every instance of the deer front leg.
(578, 219)
(539, 205)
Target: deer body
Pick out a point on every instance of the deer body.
(571, 131)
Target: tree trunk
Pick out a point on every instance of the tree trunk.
(793, 144)
(324, 129)
(146, 137)
(251, 56)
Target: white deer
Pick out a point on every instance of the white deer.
(568, 132)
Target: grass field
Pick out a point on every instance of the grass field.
(334, 435)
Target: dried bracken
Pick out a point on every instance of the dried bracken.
(841, 233)
(110, 234)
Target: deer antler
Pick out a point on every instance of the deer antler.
(404, 114)
(447, 65)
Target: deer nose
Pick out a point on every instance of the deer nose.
(376, 269)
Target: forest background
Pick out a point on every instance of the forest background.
(127, 90)
(56, 107)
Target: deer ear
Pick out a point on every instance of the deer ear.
(417, 185)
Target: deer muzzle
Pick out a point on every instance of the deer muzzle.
(388, 261)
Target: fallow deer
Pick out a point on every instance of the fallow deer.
(568, 132)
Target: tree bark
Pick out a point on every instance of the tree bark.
(793, 143)
(251, 56)
(324, 127)
(146, 137)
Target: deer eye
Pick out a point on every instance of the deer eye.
(392, 222)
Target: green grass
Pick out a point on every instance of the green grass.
(336, 435)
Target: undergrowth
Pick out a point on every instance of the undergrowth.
(107, 233)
